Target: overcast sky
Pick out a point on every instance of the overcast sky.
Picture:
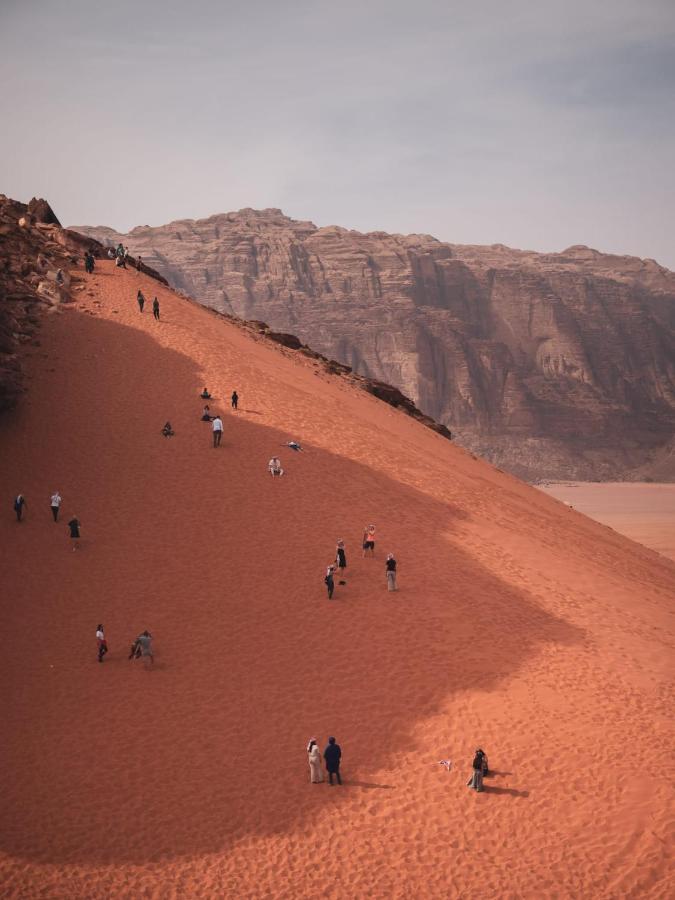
(531, 123)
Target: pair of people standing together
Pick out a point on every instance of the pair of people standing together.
(140, 299)
(332, 756)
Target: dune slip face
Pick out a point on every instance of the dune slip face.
(520, 626)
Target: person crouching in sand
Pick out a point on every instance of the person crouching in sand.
(315, 767)
(142, 647)
(274, 466)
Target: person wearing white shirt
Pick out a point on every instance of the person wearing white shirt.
(217, 426)
(274, 466)
(56, 504)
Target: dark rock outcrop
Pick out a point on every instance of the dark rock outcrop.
(550, 365)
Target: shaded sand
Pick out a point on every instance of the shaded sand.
(521, 626)
(643, 512)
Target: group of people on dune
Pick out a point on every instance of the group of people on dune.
(74, 527)
(141, 646)
(339, 565)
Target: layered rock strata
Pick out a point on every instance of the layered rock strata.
(556, 365)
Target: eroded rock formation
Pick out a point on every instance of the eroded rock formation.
(550, 365)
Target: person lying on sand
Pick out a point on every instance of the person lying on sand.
(294, 445)
(168, 431)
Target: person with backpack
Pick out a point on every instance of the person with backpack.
(333, 754)
(140, 299)
(390, 569)
(19, 503)
(329, 581)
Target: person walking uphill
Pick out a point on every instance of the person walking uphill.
(140, 299)
(478, 768)
(19, 503)
(56, 505)
(390, 569)
(329, 581)
(217, 426)
(315, 767)
(74, 527)
(155, 308)
(333, 754)
(101, 643)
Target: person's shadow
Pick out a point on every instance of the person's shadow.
(368, 785)
(512, 792)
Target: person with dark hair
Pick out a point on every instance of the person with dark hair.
(340, 558)
(155, 308)
(369, 540)
(101, 643)
(139, 263)
(89, 262)
(333, 754)
(206, 414)
(329, 581)
(56, 505)
(19, 503)
(478, 768)
(217, 426)
(235, 399)
(168, 431)
(144, 641)
(390, 570)
(315, 767)
(74, 528)
(205, 395)
(140, 299)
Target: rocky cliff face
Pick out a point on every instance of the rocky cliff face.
(36, 257)
(550, 365)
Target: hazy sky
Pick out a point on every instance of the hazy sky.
(531, 123)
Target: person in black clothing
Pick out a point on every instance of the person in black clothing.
(479, 767)
(155, 308)
(74, 527)
(390, 570)
(140, 299)
(19, 504)
(139, 263)
(235, 399)
(329, 581)
(332, 754)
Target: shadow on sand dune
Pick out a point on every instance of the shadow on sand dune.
(105, 764)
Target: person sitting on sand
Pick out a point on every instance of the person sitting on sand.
(476, 780)
(206, 414)
(274, 466)
(168, 431)
(205, 395)
(315, 767)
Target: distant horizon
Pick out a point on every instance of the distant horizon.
(537, 125)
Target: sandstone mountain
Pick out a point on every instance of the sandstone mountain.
(556, 365)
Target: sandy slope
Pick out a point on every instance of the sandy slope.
(520, 625)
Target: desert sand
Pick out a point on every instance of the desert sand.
(643, 512)
(521, 626)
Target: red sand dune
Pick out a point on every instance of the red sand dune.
(520, 626)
